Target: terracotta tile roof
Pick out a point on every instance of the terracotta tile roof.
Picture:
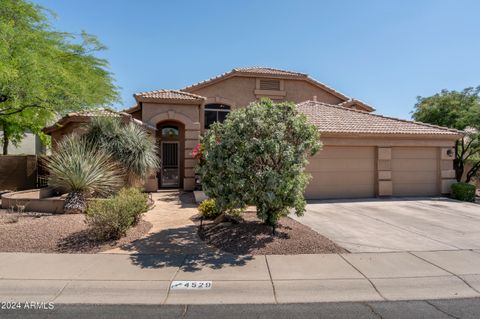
(168, 95)
(337, 119)
(132, 109)
(268, 71)
(94, 112)
(83, 116)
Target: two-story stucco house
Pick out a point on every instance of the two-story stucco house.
(364, 154)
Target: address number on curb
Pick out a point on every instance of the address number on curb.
(180, 284)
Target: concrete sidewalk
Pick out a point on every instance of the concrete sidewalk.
(146, 279)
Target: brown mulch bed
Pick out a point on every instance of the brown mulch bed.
(253, 237)
(46, 233)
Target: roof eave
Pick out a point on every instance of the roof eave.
(167, 100)
(351, 134)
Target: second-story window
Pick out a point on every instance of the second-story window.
(215, 113)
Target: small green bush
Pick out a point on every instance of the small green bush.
(111, 218)
(209, 209)
(464, 192)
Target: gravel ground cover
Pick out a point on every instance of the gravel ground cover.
(253, 237)
(45, 233)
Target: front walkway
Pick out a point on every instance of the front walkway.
(146, 279)
(173, 231)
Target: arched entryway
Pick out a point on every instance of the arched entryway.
(171, 148)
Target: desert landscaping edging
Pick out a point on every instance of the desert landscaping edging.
(34, 200)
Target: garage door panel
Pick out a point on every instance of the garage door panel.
(342, 172)
(417, 189)
(417, 177)
(344, 152)
(333, 178)
(353, 191)
(414, 165)
(339, 164)
(414, 152)
(415, 171)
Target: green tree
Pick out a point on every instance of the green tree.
(45, 73)
(257, 157)
(459, 110)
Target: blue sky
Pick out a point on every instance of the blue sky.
(382, 52)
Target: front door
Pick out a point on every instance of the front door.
(170, 170)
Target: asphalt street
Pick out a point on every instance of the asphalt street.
(438, 309)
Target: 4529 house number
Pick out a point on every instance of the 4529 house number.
(181, 284)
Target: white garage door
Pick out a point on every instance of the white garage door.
(342, 172)
(415, 171)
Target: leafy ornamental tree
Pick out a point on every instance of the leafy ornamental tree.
(257, 157)
(45, 73)
(460, 110)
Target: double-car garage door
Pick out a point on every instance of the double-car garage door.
(350, 172)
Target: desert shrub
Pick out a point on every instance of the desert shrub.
(208, 209)
(464, 192)
(111, 218)
(128, 144)
(83, 171)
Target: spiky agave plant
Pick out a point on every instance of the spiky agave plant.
(128, 144)
(82, 170)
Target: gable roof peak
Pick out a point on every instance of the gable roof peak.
(167, 95)
(268, 71)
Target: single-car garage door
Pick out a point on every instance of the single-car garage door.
(342, 172)
(415, 171)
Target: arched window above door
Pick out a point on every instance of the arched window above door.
(170, 132)
(215, 113)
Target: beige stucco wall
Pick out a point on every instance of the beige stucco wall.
(189, 116)
(240, 91)
(18, 172)
(69, 128)
(30, 145)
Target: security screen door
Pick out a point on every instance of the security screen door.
(170, 164)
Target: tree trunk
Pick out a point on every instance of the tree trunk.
(472, 172)
(5, 141)
(458, 165)
(75, 203)
(271, 220)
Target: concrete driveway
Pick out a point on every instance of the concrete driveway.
(397, 224)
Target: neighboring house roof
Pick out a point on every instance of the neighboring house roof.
(132, 109)
(352, 103)
(85, 116)
(341, 120)
(167, 96)
(270, 72)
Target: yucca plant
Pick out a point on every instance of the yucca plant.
(83, 171)
(128, 144)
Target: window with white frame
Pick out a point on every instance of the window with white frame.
(215, 113)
